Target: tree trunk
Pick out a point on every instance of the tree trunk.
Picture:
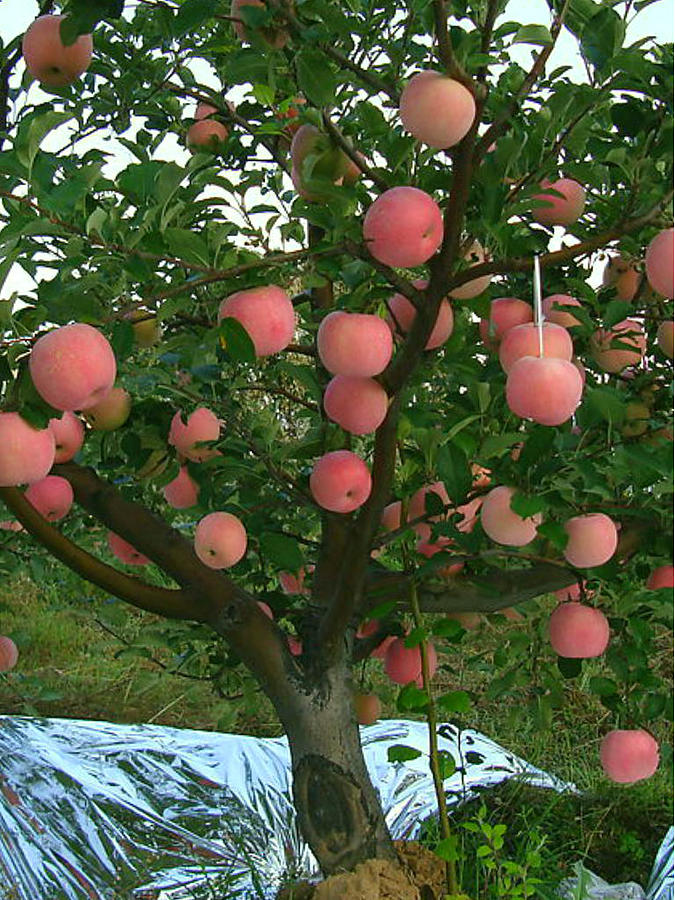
(339, 811)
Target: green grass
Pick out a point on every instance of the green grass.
(73, 666)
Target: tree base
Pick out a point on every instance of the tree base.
(420, 875)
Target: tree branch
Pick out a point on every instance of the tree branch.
(446, 54)
(349, 151)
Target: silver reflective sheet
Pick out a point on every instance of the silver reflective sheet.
(105, 812)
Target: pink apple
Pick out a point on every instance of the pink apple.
(661, 578)
(295, 584)
(544, 389)
(436, 109)
(559, 316)
(205, 111)
(571, 592)
(266, 609)
(523, 340)
(659, 262)
(9, 654)
(403, 227)
(48, 59)
(577, 631)
(502, 524)
(294, 645)
(623, 275)
(391, 516)
(592, 540)
(354, 344)
(505, 313)
(340, 481)
(202, 425)
(357, 404)
(470, 289)
(72, 367)
(629, 755)
(367, 628)
(68, 434)
(417, 506)
(404, 664)
(611, 359)
(26, 453)
(266, 313)
(125, 552)
(183, 491)
(111, 412)
(380, 651)
(207, 135)
(428, 548)
(220, 540)
(52, 496)
(469, 621)
(552, 209)
(403, 313)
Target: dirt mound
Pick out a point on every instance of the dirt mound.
(421, 876)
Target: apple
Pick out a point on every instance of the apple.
(357, 404)
(294, 645)
(552, 209)
(637, 419)
(68, 434)
(469, 621)
(571, 592)
(266, 609)
(368, 708)
(147, 330)
(660, 578)
(220, 540)
(664, 338)
(367, 629)
(340, 481)
(183, 491)
(72, 367)
(470, 289)
(403, 227)
(659, 262)
(559, 316)
(355, 344)
(577, 631)
(202, 425)
(592, 540)
(629, 755)
(614, 360)
(544, 389)
(381, 650)
(404, 664)
(505, 313)
(502, 524)
(266, 313)
(328, 161)
(111, 412)
(9, 653)
(523, 340)
(403, 314)
(125, 552)
(26, 453)
(429, 548)
(275, 37)
(391, 516)
(48, 59)
(436, 109)
(206, 135)
(623, 275)
(52, 496)
(295, 584)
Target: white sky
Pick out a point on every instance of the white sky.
(656, 20)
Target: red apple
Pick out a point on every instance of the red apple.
(577, 631)
(661, 578)
(629, 755)
(403, 227)
(391, 516)
(125, 552)
(368, 708)
(523, 340)
(26, 453)
(48, 59)
(559, 316)
(354, 344)
(52, 496)
(505, 313)
(436, 109)
(183, 491)
(659, 262)
(202, 425)
(544, 389)
(403, 314)
(502, 524)
(357, 404)
(220, 540)
(404, 664)
(470, 289)
(552, 209)
(206, 135)
(9, 654)
(610, 359)
(623, 275)
(266, 313)
(68, 434)
(72, 367)
(340, 481)
(592, 540)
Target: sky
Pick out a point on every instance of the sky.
(657, 19)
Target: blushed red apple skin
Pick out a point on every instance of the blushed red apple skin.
(125, 552)
(355, 344)
(577, 631)
(266, 313)
(220, 540)
(558, 210)
(629, 755)
(48, 59)
(544, 389)
(403, 314)
(403, 227)
(183, 491)
(52, 496)
(662, 577)
(503, 525)
(68, 434)
(9, 654)
(358, 405)
(592, 540)
(436, 110)
(26, 453)
(659, 262)
(201, 425)
(340, 481)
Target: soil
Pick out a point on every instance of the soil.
(421, 876)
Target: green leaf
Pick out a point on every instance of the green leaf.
(236, 341)
(33, 131)
(527, 505)
(192, 14)
(401, 753)
(282, 551)
(555, 533)
(606, 402)
(603, 37)
(603, 687)
(122, 340)
(453, 469)
(616, 311)
(455, 702)
(446, 764)
(448, 848)
(569, 668)
(187, 245)
(533, 34)
(315, 77)
(411, 697)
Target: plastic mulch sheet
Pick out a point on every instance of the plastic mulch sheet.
(95, 811)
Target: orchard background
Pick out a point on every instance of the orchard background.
(149, 249)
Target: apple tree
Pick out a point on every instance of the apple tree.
(282, 328)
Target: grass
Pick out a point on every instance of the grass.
(86, 658)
